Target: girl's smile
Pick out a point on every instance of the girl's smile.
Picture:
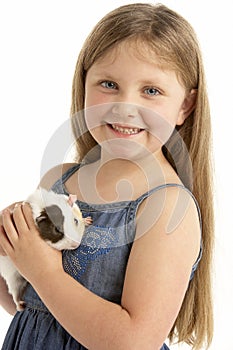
(124, 131)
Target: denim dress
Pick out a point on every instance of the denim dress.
(99, 264)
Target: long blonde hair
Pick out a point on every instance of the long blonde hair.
(171, 38)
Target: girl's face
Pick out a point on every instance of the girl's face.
(133, 105)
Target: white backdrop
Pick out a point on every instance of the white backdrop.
(40, 41)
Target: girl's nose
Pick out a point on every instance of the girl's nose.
(125, 110)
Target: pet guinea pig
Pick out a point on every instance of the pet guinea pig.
(59, 222)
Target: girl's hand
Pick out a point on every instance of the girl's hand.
(20, 240)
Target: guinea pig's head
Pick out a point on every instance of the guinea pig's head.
(51, 224)
(61, 225)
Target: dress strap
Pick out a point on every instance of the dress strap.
(70, 172)
(58, 186)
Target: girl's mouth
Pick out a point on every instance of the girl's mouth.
(124, 130)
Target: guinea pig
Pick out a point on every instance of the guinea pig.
(59, 222)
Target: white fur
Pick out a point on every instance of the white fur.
(73, 231)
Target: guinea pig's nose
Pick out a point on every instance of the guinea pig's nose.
(74, 245)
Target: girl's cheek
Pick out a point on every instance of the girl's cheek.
(95, 97)
(159, 125)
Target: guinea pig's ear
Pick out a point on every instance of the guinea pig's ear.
(72, 199)
(43, 216)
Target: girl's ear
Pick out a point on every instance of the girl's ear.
(188, 106)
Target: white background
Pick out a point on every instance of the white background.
(40, 41)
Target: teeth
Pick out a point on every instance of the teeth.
(127, 131)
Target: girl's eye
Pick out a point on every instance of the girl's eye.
(108, 84)
(152, 91)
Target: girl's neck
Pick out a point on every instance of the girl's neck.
(116, 180)
(151, 166)
(121, 179)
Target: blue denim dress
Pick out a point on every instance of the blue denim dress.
(99, 264)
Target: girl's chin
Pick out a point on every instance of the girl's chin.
(128, 150)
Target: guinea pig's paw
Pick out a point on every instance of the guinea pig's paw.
(88, 221)
(20, 305)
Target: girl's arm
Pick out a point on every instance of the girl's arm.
(6, 300)
(156, 280)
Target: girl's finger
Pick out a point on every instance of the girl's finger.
(4, 242)
(2, 251)
(9, 227)
(19, 219)
(27, 211)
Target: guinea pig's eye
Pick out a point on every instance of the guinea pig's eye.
(57, 230)
(76, 222)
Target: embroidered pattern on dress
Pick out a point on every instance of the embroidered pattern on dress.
(95, 242)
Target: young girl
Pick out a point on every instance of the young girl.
(140, 116)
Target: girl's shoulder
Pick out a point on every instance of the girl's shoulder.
(54, 174)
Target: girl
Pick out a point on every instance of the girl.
(140, 116)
